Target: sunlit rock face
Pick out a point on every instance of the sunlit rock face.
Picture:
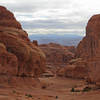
(90, 45)
(86, 63)
(7, 19)
(89, 49)
(18, 55)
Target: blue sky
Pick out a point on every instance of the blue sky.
(53, 16)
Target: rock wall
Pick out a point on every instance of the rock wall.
(89, 49)
(18, 56)
(76, 69)
(87, 59)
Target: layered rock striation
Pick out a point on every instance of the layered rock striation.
(89, 49)
(18, 55)
(86, 63)
(76, 69)
(7, 19)
(58, 55)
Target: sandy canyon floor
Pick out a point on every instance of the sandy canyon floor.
(53, 89)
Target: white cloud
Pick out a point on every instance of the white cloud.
(7, 1)
(55, 31)
(53, 16)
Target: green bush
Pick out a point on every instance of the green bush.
(29, 95)
(73, 90)
(86, 89)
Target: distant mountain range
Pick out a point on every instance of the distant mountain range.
(66, 39)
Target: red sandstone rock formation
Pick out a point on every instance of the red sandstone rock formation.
(89, 46)
(8, 62)
(57, 55)
(87, 62)
(89, 49)
(18, 56)
(35, 42)
(75, 69)
(7, 19)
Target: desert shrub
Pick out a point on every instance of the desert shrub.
(29, 95)
(86, 89)
(56, 97)
(14, 91)
(73, 90)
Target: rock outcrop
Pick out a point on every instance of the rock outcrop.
(7, 19)
(8, 62)
(58, 55)
(76, 69)
(89, 49)
(35, 42)
(18, 55)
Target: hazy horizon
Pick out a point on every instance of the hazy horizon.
(54, 16)
(66, 40)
